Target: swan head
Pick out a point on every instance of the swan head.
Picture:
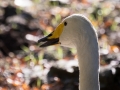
(71, 30)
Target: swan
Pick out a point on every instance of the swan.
(76, 31)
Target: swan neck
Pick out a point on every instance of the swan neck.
(88, 58)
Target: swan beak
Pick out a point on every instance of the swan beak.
(52, 38)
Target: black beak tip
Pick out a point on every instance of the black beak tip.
(39, 41)
(48, 42)
(42, 39)
(43, 45)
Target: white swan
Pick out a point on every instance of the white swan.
(77, 31)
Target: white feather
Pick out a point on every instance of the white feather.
(80, 33)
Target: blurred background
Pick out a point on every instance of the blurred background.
(26, 66)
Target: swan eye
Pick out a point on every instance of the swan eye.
(65, 23)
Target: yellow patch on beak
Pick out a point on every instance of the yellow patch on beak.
(57, 32)
(52, 38)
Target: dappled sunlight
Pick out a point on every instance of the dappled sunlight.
(24, 65)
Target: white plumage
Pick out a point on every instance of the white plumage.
(79, 33)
